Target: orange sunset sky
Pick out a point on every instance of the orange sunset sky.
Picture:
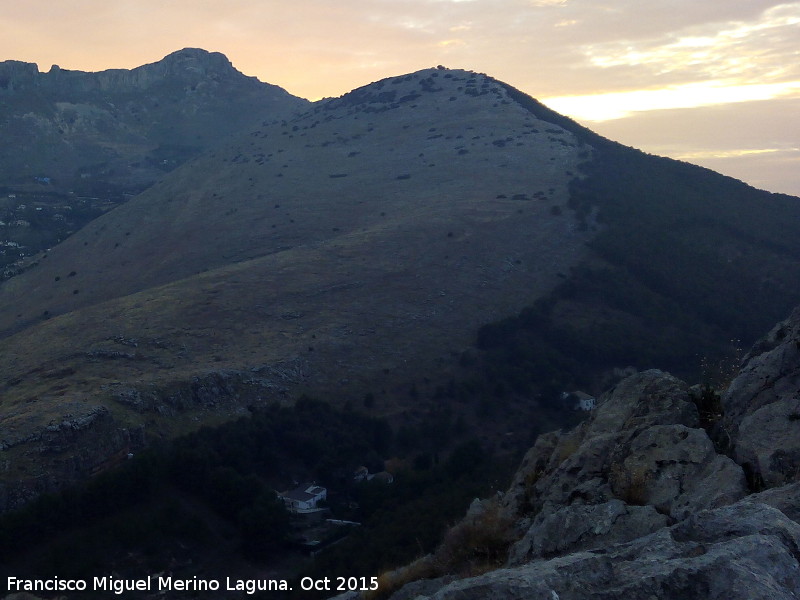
(714, 82)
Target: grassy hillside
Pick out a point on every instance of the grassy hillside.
(436, 249)
(358, 251)
(357, 247)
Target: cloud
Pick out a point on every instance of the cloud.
(621, 58)
(752, 51)
(754, 141)
(772, 169)
(316, 47)
(450, 43)
(617, 105)
(700, 64)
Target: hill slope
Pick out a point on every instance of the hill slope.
(688, 267)
(355, 249)
(362, 242)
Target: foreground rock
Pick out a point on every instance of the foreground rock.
(639, 464)
(762, 408)
(745, 551)
(639, 502)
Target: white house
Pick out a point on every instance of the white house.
(584, 401)
(304, 498)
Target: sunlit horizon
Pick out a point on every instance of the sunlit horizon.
(619, 67)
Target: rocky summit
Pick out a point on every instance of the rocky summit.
(118, 131)
(649, 498)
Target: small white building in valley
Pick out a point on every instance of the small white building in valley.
(304, 499)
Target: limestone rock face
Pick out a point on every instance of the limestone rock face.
(533, 466)
(762, 408)
(580, 526)
(675, 469)
(638, 464)
(123, 129)
(643, 400)
(15, 74)
(639, 502)
(786, 499)
(559, 465)
(745, 551)
(769, 442)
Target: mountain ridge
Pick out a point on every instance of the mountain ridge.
(79, 144)
(322, 249)
(188, 63)
(110, 134)
(189, 215)
(356, 248)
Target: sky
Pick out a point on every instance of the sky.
(713, 82)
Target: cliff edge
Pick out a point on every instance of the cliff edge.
(665, 492)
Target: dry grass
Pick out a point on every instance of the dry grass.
(391, 581)
(476, 545)
(630, 483)
(473, 546)
(567, 446)
(253, 254)
(366, 278)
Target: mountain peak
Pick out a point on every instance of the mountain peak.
(186, 65)
(372, 234)
(432, 87)
(124, 126)
(197, 53)
(191, 62)
(189, 65)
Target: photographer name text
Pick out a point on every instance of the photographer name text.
(164, 583)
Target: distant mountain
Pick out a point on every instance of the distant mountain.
(124, 127)
(357, 251)
(77, 144)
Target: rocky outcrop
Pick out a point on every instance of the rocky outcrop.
(762, 408)
(190, 65)
(84, 439)
(120, 130)
(224, 390)
(581, 526)
(15, 74)
(81, 442)
(739, 552)
(640, 463)
(639, 502)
